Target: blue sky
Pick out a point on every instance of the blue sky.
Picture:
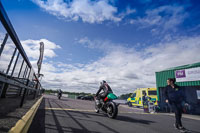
(122, 41)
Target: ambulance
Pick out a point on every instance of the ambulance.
(136, 97)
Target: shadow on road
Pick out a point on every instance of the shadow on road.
(74, 121)
(38, 124)
(2, 129)
(133, 120)
(190, 131)
(84, 129)
(62, 100)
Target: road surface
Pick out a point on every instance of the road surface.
(78, 116)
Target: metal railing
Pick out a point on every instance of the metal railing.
(17, 76)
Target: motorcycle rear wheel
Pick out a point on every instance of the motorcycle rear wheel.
(112, 110)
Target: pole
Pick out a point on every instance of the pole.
(4, 43)
(11, 61)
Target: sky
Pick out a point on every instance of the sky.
(121, 41)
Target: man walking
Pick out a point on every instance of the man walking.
(174, 96)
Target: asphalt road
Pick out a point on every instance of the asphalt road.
(78, 116)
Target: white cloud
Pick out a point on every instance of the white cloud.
(124, 68)
(105, 45)
(163, 18)
(6, 54)
(127, 12)
(87, 10)
(32, 48)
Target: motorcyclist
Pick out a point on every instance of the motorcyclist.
(105, 88)
(110, 107)
(60, 92)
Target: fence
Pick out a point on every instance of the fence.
(17, 76)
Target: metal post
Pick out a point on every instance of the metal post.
(15, 64)
(21, 68)
(28, 79)
(34, 94)
(1, 89)
(5, 87)
(23, 97)
(38, 92)
(29, 73)
(4, 43)
(11, 61)
(36, 88)
(25, 71)
(19, 76)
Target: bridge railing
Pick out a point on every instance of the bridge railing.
(17, 76)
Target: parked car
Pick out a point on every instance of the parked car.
(91, 98)
(79, 97)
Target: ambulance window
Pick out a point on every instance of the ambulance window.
(134, 95)
(143, 92)
(152, 92)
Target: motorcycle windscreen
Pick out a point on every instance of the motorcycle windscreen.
(111, 96)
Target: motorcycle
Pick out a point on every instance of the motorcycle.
(107, 105)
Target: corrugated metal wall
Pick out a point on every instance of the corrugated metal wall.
(161, 77)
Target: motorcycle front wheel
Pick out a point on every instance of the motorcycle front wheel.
(112, 110)
(96, 108)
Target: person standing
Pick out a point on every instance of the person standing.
(145, 98)
(175, 96)
(145, 103)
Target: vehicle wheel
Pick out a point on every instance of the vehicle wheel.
(112, 110)
(96, 108)
(129, 104)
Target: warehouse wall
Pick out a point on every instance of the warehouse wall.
(191, 98)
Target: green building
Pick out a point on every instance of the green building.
(188, 78)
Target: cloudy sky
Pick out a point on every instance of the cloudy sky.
(121, 41)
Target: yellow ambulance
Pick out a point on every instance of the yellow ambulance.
(136, 97)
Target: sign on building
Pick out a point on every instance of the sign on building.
(192, 74)
(198, 94)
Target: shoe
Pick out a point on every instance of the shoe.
(96, 110)
(182, 129)
(176, 126)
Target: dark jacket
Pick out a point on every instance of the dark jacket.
(174, 95)
(105, 87)
(144, 99)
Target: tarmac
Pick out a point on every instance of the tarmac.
(75, 116)
(78, 116)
